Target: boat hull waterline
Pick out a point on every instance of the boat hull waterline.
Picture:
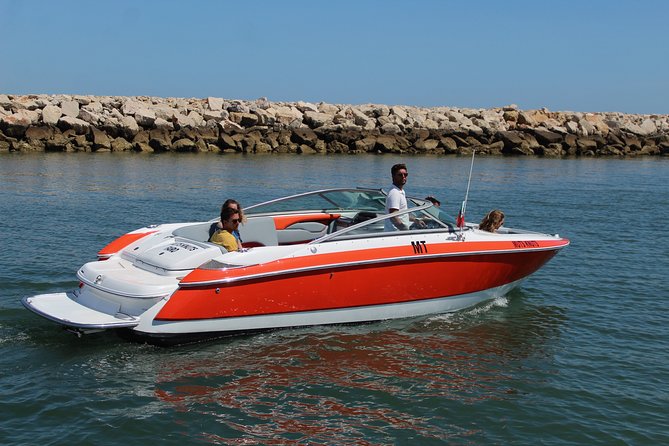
(167, 285)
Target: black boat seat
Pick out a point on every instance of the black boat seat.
(363, 216)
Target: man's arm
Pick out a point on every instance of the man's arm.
(397, 221)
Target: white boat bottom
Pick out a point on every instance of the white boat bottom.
(64, 309)
(149, 328)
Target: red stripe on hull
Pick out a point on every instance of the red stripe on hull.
(376, 255)
(406, 280)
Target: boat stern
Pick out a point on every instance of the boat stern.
(68, 310)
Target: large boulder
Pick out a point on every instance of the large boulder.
(238, 107)
(16, 124)
(317, 119)
(304, 136)
(215, 115)
(586, 143)
(448, 144)
(264, 117)
(93, 106)
(39, 133)
(100, 139)
(552, 151)
(197, 118)
(392, 143)
(69, 123)
(366, 144)
(165, 112)
(285, 114)
(572, 127)
(262, 147)
(306, 106)
(51, 114)
(328, 109)
(145, 117)
(5, 102)
(337, 147)
(426, 145)
(131, 106)
(90, 116)
(244, 119)
(215, 104)
(586, 128)
(128, 126)
(23, 117)
(181, 121)
(546, 137)
(511, 138)
(361, 119)
(162, 124)
(525, 118)
(598, 123)
(184, 145)
(391, 129)
(495, 148)
(121, 145)
(160, 139)
(230, 127)
(58, 143)
(70, 108)
(648, 127)
(399, 112)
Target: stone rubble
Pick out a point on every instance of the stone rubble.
(151, 124)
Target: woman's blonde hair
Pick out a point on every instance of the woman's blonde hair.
(492, 221)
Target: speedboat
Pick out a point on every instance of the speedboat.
(322, 257)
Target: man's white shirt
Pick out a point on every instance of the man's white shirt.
(396, 199)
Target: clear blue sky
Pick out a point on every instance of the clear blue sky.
(585, 55)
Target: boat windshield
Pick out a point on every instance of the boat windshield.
(435, 212)
(425, 217)
(331, 200)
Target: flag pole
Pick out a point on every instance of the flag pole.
(463, 208)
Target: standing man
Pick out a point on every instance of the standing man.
(397, 200)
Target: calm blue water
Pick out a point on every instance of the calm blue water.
(578, 355)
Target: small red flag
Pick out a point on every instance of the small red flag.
(460, 220)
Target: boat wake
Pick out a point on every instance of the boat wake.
(499, 302)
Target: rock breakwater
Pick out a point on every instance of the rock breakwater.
(151, 124)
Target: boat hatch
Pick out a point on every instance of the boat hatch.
(64, 309)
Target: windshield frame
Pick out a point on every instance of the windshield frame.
(442, 226)
(323, 194)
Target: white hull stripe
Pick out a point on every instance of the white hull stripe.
(324, 317)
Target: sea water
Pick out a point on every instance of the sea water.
(577, 355)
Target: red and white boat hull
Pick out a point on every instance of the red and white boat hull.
(168, 285)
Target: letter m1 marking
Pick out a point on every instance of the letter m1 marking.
(419, 247)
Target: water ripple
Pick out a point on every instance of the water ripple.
(576, 356)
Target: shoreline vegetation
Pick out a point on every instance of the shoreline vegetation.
(71, 123)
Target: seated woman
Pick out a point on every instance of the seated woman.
(230, 219)
(492, 221)
(232, 204)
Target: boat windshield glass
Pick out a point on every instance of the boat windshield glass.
(436, 212)
(332, 200)
(424, 217)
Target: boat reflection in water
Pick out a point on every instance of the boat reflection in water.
(341, 386)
